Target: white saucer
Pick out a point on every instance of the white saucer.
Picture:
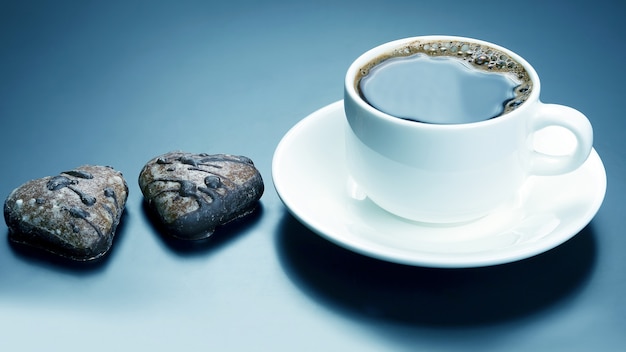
(310, 177)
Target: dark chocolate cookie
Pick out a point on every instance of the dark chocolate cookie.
(194, 193)
(74, 214)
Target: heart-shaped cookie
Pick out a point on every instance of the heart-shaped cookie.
(194, 193)
(74, 214)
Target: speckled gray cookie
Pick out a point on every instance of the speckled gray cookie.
(74, 214)
(194, 193)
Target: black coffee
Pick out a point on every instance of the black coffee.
(444, 83)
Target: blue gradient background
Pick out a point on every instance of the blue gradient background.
(118, 82)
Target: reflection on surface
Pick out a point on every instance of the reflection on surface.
(367, 287)
(43, 258)
(223, 234)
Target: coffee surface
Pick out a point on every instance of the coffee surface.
(444, 83)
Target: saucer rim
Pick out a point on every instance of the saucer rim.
(416, 258)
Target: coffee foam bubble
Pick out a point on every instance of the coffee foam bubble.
(477, 56)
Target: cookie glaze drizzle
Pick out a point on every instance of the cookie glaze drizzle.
(194, 193)
(73, 214)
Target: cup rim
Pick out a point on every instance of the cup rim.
(371, 54)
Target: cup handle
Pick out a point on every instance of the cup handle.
(571, 119)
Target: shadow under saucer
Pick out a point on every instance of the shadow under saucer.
(366, 287)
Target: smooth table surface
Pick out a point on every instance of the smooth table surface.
(119, 82)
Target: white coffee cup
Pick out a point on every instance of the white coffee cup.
(448, 173)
